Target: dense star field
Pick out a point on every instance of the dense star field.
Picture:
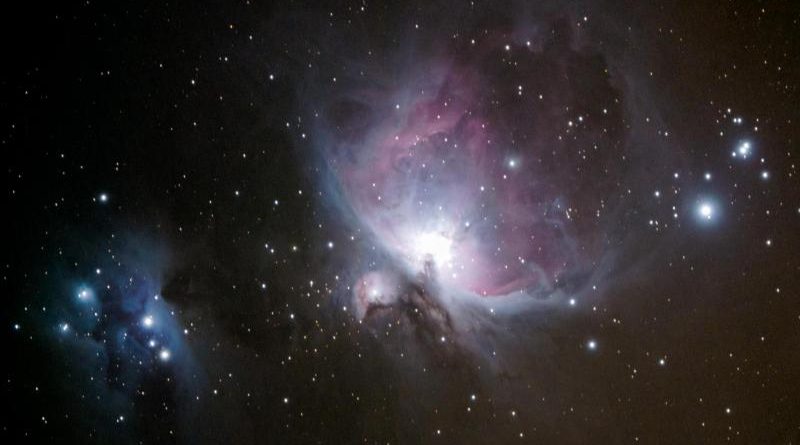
(402, 222)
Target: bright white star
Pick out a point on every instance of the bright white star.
(148, 321)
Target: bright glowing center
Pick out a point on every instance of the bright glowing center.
(432, 246)
(706, 211)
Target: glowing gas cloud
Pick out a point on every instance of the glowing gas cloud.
(488, 170)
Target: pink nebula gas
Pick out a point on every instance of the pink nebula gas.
(471, 178)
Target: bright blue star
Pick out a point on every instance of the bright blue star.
(707, 211)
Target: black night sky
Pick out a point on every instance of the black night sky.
(447, 222)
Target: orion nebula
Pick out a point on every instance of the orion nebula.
(485, 171)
